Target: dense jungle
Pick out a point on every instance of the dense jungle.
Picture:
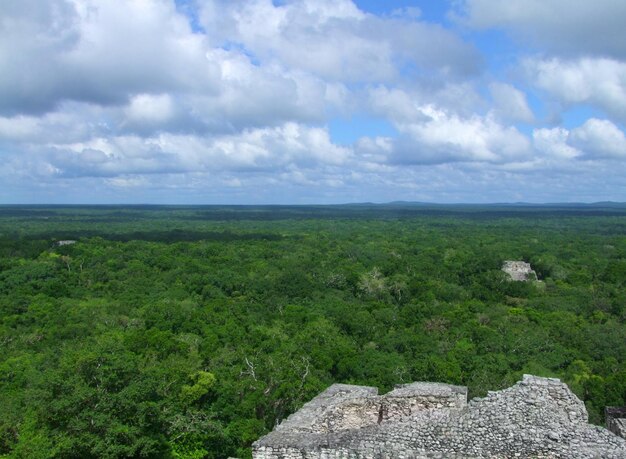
(190, 331)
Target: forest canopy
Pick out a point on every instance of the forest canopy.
(189, 332)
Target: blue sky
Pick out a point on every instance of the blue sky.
(312, 101)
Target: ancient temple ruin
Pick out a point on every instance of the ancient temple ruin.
(535, 418)
(519, 270)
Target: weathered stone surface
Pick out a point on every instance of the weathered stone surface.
(537, 417)
(519, 270)
(616, 420)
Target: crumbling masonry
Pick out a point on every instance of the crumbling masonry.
(616, 420)
(537, 417)
(519, 270)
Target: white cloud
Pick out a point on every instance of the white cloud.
(597, 81)
(435, 136)
(18, 127)
(279, 148)
(374, 151)
(99, 52)
(396, 104)
(553, 143)
(150, 109)
(595, 139)
(143, 55)
(447, 137)
(335, 40)
(404, 105)
(561, 26)
(510, 103)
(254, 96)
(71, 123)
(127, 181)
(101, 97)
(599, 139)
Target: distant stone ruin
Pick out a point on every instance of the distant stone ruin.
(66, 242)
(519, 270)
(535, 418)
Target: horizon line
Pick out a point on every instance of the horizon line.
(355, 203)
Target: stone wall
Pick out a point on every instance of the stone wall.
(344, 407)
(616, 420)
(537, 417)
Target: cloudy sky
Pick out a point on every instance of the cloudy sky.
(312, 101)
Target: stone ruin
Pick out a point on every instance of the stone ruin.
(535, 418)
(616, 420)
(65, 242)
(519, 270)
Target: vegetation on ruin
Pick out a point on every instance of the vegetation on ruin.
(188, 332)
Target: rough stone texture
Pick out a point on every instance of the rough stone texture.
(519, 270)
(343, 407)
(616, 420)
(537, 417)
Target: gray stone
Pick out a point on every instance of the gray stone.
(430, 420)
(616, 420)
(519, 270)
(554, 436)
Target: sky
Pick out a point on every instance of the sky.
(312, 101)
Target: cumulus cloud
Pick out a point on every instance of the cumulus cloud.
(335, 40)
(279, 148)
(18, 127)
(73, 122)
(404, 104)
(447, 137)
(435, 136)
(142, 61)
(599, 139)
(253, 96)
(236, 99)
(93, 51)
(560, 26)
(597, 81)
(150, 108)
(396, 104)
(510, 103)
(595, 139)
(554, 143)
